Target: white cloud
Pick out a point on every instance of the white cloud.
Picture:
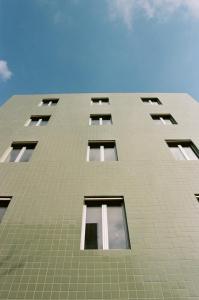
(5, 73)
(125, 10)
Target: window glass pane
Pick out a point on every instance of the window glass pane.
(3, 206)
(43, 122)
(167, 121)
(117, 228)
(45, 103)
(26, 155)
(105, 101)
(13, 155)
(190, 153)
(158, 121)
(110, 152)
(93, 233)
(177, 153)
(95, 101)
(106, 121)
(2, 212)
(94, 121)
(33, 122)
(94, 153)
(53, 103)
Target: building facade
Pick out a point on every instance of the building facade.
(99, 197)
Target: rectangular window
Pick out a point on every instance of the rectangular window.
(4, 202)
(49, 102)
(100, 120)
(183, 150)
(101, 151)
(165, 119)
(100, 101)
(37, 121)
(104, 224)
(152, 101)
(19, 152)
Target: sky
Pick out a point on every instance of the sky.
(74, 46)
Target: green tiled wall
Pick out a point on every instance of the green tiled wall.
(40, 255)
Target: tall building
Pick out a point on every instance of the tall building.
(99, 197)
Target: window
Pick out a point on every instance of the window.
(104, 224)
(37, 121)
(49, 102)
(165, 119)
(4, 202)
(197, 197)
(19, 152)
(101, 151)
(152, 101)
(100, 120)
(183, 150)
(99, 101)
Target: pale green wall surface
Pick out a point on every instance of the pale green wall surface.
(40, 256)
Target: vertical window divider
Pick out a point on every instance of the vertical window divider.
(162, 120)
(88, 153)
(100, 102)
(20, 154)
(49, 103)
(100, 121)
(6, 154)
(101, 153)
(82, 241)
(183, 152)
(151, 102)
(89, 121)
(105, 227)
(27, 122)
(39, 122)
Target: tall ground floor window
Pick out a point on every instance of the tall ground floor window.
(104, 224)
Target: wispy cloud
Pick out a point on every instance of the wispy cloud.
(58, 10)
(125, 10)
(5, 73)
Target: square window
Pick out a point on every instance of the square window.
(183, 149)
(165, 119)
(19, 152)
(104, 224)
(49, 102)
(101, 151)
(100, 120)
(37, 121)
(100, 101)
(4, 202)
(151, 100)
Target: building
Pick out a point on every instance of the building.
(99, 197)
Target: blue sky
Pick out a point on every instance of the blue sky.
(69, 46)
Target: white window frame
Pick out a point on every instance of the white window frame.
(105, 238)
(49, 102)
(99, 101)
(101, 149)
(182, 150)
(162, 118)
(29, 121)
(39, 121)
(101, 119)
(19, 156)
